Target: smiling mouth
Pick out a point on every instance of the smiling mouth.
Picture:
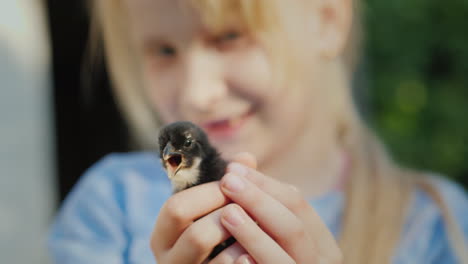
(230, 123)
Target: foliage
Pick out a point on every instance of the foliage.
(417, 65)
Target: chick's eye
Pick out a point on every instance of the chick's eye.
(188, 143)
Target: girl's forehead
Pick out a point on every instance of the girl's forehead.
(161, 5)
(163, 16)
(185, 18)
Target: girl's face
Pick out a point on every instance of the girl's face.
(222, 81)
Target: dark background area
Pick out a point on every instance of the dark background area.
(88, 124)
(416, 55)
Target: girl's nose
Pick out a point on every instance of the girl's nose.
(203, 83)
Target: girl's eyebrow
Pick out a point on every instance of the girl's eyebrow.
(152, 40)
(163, 34)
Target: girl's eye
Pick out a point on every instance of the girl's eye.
(229, 36)
(166, 50)
(230, 40)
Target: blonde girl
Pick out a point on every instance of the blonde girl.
(271, 78)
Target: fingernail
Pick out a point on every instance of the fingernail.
(294, 188)
(246, 259)
(233, 216)
(237, 169)
(233, 183)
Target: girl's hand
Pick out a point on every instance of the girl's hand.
(272, 222)
(177, 237)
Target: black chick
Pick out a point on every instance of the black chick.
(190, 160)
(188, 157)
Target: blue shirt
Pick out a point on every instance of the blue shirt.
(110, 214)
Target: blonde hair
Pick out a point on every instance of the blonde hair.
(378, 195)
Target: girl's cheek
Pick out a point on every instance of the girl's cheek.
(159, 90)
(250, 74)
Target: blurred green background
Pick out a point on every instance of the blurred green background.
(416, 67)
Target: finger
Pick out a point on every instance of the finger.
(290, 197)
(245, 259)
(245, 158)
(229, 255)
(274, 218)
(286, 194)
(253, 239)
(181, 209)
(198, 240)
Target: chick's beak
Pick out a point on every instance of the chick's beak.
(173, 160)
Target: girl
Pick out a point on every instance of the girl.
(271, 78)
